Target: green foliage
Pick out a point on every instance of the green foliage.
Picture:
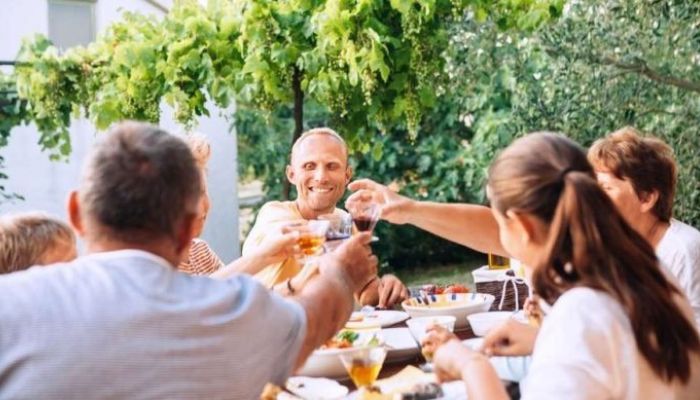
(370, 61)
(602, 66)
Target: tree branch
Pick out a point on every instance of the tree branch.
(641, 67)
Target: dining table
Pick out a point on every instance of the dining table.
(390, 369)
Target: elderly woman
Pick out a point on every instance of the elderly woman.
(639, 174)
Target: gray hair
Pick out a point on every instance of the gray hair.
(25, 239)
(139, 183)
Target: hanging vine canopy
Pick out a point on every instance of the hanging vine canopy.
(366, 60)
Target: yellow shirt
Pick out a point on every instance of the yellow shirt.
(270, 217)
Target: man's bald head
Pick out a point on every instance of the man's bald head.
(319, 131)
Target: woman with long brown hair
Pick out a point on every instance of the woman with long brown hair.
(618, 328)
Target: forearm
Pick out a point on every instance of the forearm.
(328, 303)
(481, 380)
(249, 264)
(470, 225)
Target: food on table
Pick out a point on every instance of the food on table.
(456, 288)
(431, 289)
(342, 340)
(356, 317)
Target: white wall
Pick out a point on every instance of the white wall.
(45, 184)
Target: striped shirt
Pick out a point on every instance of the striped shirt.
(201, 259)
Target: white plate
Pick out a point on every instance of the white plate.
(316, 388)
(376, 319)
(400, 344)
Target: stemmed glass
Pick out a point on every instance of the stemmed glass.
(363, 365)
(365, 215)
(339, 229)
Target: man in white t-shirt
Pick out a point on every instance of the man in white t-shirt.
(123, 322)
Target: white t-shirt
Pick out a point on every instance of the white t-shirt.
(586, 350)
(679, 252)
(127, 325)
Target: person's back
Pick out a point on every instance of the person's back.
(588, 331)
(131, 326)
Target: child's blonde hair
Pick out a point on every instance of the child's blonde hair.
(28, 239)
(200, 147)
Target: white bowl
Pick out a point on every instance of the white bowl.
(325, 363)
(458, 305)
(418, 326)
(483, 322)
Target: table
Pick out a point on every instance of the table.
(388, 370)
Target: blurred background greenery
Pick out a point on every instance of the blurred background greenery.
(601, 66)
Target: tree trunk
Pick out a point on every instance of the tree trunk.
(298, 119)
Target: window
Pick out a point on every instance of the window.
(71, 22)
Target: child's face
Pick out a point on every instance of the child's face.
(62, 251)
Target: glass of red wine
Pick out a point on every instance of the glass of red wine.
(365, 215)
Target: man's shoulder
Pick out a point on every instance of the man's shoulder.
(277, 210)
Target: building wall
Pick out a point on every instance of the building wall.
(45, 184)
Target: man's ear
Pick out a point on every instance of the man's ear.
(648, 200)
(290, 174)
(74, 216)
(185, 233)
(348, 174)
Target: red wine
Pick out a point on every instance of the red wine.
(364, 224)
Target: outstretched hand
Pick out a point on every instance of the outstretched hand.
(395, 208)
(281, 243)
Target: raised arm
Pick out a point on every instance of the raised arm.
(327, 298)
(470, 225)
(278, 245)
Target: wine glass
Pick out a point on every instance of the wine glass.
(340, 228)
(363, 364)
(365, 215)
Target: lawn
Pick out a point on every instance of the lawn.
(442, 274)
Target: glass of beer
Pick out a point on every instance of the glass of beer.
(363, 365)
(498, 262)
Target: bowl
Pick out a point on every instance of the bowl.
(483, 322)
(458, 305)
(326, 362)
(418, 326)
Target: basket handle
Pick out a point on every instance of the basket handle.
(513, 281)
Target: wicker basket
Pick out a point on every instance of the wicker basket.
(501, 283)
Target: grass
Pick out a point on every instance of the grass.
(442, 274)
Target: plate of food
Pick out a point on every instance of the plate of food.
(325, 361)
(411, 383)
(370, 318)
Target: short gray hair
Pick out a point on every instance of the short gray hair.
(25, 239)
(139, 183)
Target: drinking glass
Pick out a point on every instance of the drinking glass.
(339, 229)
(363, 364)
(311, 240)
(365, 215)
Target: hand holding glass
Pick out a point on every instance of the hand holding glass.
(365, 215)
